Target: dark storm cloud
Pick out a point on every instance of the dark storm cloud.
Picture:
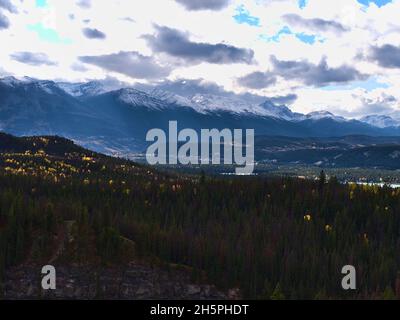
(129, 63)
(177, 44)
(111, 83)
(7, 5)
(33, 59)
(4, 22)
(194, 5)
(187, 87)
(383, 105)
(93, 33)
(79, 67)
(314, 24)
(257, 80)
(387, 56)
(284, 100)
(85, 4)
(128, 19)
(315, 75)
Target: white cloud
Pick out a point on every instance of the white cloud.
(51, 31)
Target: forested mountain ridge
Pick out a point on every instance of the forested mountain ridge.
(115, 122)
(270, 237)
(37, 236)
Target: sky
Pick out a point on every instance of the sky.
(342, 56)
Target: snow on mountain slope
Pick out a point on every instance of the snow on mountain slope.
(138, 98)
(380, 121)
(318, 115)
(208, 102)
(157, 99)
(281, 112)
(172, 98)
(48, 86)
(91, 88)
(204, 103)
(10, 81)
(160, 99)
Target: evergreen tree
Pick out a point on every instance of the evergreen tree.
(277, 294)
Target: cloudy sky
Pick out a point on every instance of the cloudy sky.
(342, 55)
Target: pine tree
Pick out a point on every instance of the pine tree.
(278, 294)
(322, 179)
(388, 294)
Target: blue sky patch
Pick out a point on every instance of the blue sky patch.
(306, 38)
(41, 4)
(243, 16)
(369, 85)
(303, 37)
(276, 37)
(48, 34)
(379, 3)
(302, 4)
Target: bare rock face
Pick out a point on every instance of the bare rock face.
(133, 282)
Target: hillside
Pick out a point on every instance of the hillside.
(106, 264)
(89, 214)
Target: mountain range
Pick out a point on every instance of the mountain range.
(115, 120)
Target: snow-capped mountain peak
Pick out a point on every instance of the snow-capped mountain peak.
(204, 103)
(91, 88)
(158, 99)
(46, 85)
(318, 115)
(9, 81)
(13, 81)
(138, 98)
(209, 102)
(171, 98)
(380, 121)
(281, 112)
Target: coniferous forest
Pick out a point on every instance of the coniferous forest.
(273, 238)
